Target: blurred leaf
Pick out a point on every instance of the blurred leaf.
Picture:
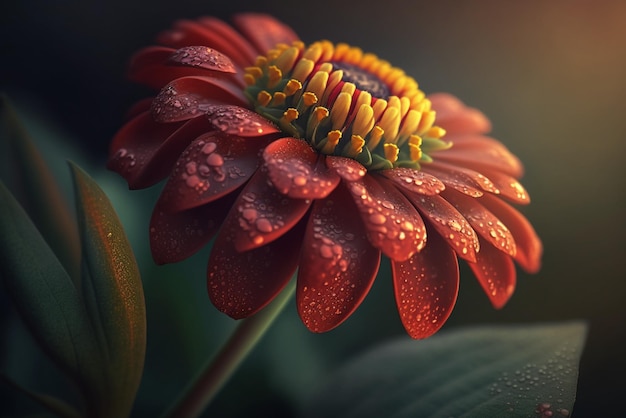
(44, 295)
(34, 184)
(512, 371)
(113, 292)
(52, 404)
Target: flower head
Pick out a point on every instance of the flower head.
(318, 158)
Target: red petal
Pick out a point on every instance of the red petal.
(263, 31)
(263, 214)
(188, 33)
(176, 236)
(242, 283)
(445, 102)
(426, 286)
(481, 155)
(495, 272)
(508, 187)
(190, 97)
(455, 117)
(235, 40)
(415, 181)
(235, 120)
(392, 223)
(485, 223)
(213, 165)
(134, 145)
(156, 66)
(529, 247)
(295, 169)
(338, 265)
(346, 168)
(462, 179)
(449, 223)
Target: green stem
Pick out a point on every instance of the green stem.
(220, 368)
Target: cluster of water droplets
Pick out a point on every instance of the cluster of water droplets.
(202, 57)
(257, 218)
(236, 120)
(335, 258)
(123, 160)
(196, 174)
(540, 384)
(423, 296)
(170, 105)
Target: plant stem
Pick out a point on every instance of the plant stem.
(221, 367)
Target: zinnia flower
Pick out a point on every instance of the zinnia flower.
(318, 158)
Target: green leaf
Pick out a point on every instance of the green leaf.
(52, 404)
(113, 292)
(512, 371)
(34, 184)
(45, 296)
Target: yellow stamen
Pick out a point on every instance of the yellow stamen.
(428, 118)
(390, 122)
(287, 59)
(353, 56)
(263, 98)
(349, 88)
(435, 132)
(374, 138)
(339, 111)
(292, 86)
(275, 75)
(255, 72)
(356, 146)
(303, 68)
(290, 115)
(279, 98)
(317, 116)
(379, 107)
(340, 51)
(332, 141)
(415, 140)
(314, 52)
(367, 60)
(364, 121)
(249, 80)
(415, 152)
(333, 80)
(309, 99)
(409, 125)
(391, 152)
(261, 62)
(318, 83)
(321, 113)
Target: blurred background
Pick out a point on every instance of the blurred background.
(551, 75)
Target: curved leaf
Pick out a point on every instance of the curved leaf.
(38, 192)
(512, 371)
(113, 292)
(44, 295)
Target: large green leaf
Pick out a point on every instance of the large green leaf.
(113, 293)
(512, 371)
(27, 174)
(45, 296)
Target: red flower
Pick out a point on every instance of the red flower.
(318, 158)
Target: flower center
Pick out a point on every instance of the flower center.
(345, 102)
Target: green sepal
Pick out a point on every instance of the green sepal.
(113, 293)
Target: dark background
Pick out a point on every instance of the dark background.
(550, 74)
